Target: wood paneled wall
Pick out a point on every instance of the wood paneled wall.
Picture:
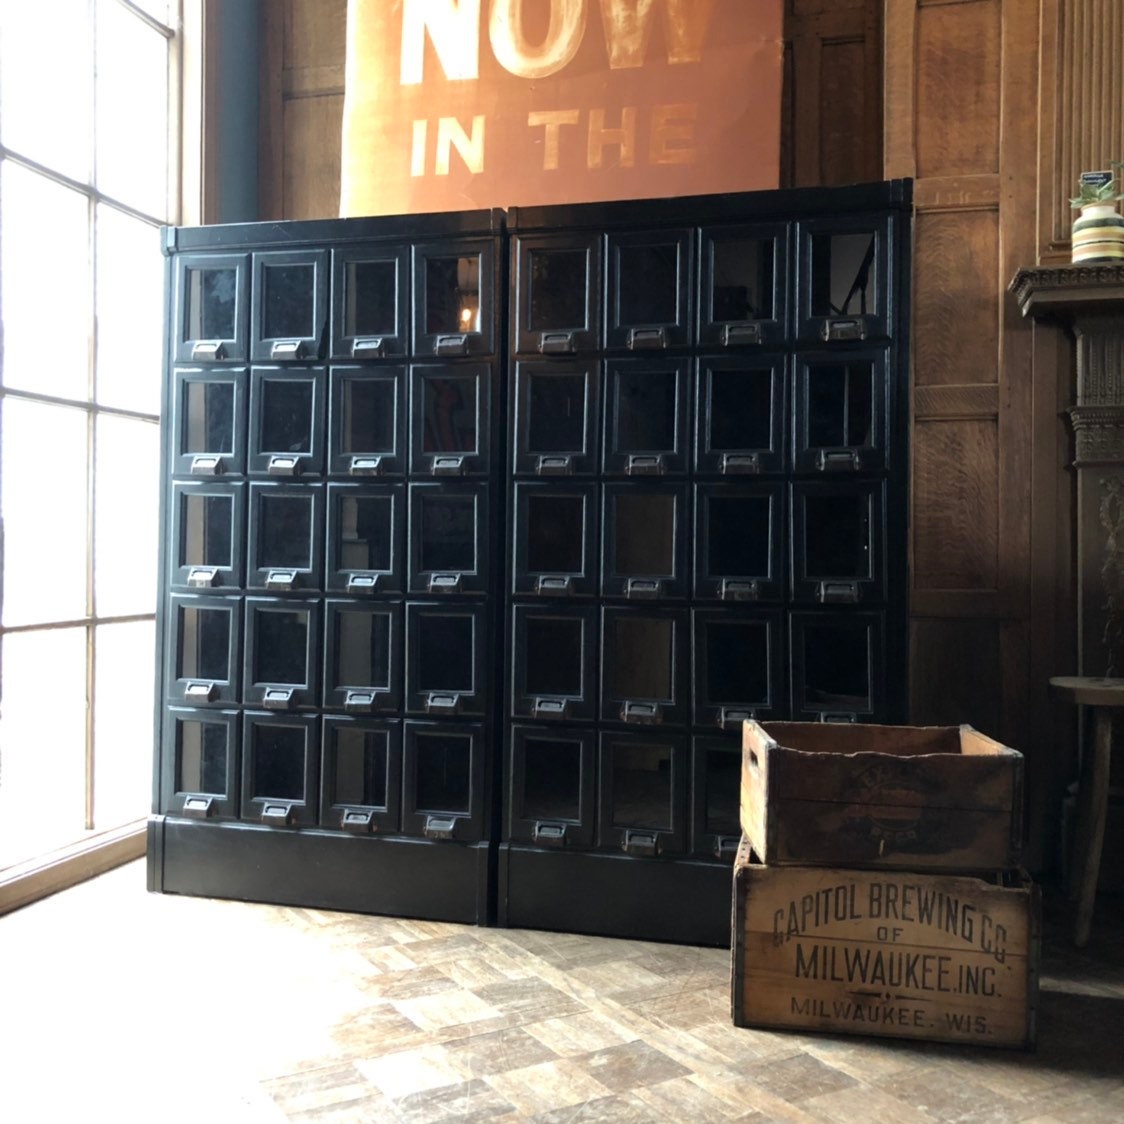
(993, 106)
(302, 53)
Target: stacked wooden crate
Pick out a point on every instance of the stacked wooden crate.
(877, 888)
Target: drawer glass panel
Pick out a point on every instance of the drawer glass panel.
(443, 776)
(452, 294)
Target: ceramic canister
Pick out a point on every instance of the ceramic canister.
(1098, 234)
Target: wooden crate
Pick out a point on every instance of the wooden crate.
(934, 797)
(888, 953)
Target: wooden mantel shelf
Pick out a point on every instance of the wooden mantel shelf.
(1080, 289)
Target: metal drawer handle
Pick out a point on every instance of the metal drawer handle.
(365, 466)
(287, 349)
(837, 593)
(560, 465)
(442, 703)
(641, 713)
(642, 587)
(839, 330)
(281, 579)
(444, 583)
(440, 827)
(732, 590)
(362, 583)
(554, 585)
(645, 464)
(199, 807)
(284, 466)
(838, 716)
(837, 460)
(740, 464)
(550, 708)
(207, 465)
(725, 847)
(647, 339)
(644, 844)
(451, 345)
(731, 718)
(208, 349)
(201, 577)
(735, 334)
(277, 815)
(549, 834)
(201, 692)
(358, 821)
(556, 343)
(447, 466)
(278, 698)
(360, 701)
(374, 348)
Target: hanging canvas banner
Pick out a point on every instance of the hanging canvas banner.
(455, 104)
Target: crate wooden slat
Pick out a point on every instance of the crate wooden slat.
(888, 953)
(938, 797)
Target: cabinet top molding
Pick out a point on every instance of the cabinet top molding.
(1069, 289)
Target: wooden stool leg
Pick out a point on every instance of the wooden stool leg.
(1091, 812)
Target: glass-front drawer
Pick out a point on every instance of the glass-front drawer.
(716, 777)
(643, 670)
(450, 419)
(646, 416)
(290, 305)
(204, 650)
(454, 298)
(837, 542)
(367, 421)
(642, 796)
(739, 420)
(282, 661)
(650, 285)
(361, 775)
(286, 421)
(738, 668)
(840, 413)
(208, 530)
(557, 407)
(362, 656)
(844, 279)
(446, 653)
(366, 530)
(443, 780)
(739, 542)
(280, 769)
(208, 422)
(448, 538)
(555, 533)
(743, 286)
(558, 294)
(200, 763)
(644, 541)
(212, 307)
(837, 666)
(286, 538)
(552, 672)
(552, 787)
(370, 302)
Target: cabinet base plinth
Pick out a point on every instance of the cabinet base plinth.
(682, 901)
(395, 876)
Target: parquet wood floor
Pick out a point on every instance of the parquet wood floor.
(118, 1005)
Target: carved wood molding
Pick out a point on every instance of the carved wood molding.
(1098, 435)
(1067, 287)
